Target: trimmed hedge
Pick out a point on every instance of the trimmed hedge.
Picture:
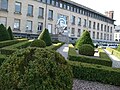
(36, 69)
(45, 36)
(84, 39)
(11, 49)
(86, 49)
(11, 42)
(114, 52)
(93, 72)
(102, 54)
(87, 59)
(38, 43)
(55, 46)
(2, 58)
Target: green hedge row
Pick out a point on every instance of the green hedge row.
(10, 42)
(87, 59)
(10, 49)
(103, 55)
(55, 46)
(94, 72)
(114, 52)
(2, 58)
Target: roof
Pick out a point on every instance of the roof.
(84, 7)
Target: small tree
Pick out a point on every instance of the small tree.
(45, 36)
(4, 35)
(10, 33)
(84, 39)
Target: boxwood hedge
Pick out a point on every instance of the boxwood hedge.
(35, 69)
(94, 72)
(81, 58)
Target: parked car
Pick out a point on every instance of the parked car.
(112, 45)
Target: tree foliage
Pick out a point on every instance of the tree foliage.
(45, 36)
(10, 33)
(84, 39)
(4, 35)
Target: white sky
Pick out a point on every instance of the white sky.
(102, 6)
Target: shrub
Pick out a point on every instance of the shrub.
(35, 69)
(10, 42)
(45, 36)
(10, 33)
(38, 43)
(86, 49)
(4, 35)
(93, 72)
(54, 46)
(73, 56)
(118, 48)
(84, 39)
(2, 58)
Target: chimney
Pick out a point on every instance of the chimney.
(111, 14)
(106, 13)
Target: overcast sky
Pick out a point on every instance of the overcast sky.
(102, 6)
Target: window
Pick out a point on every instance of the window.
(48, 1)
(53, 2)
(43, 1)
(101, 27)
(50, 14)
(107, 36)
(104, 36)
(79, 32)
(110, 37)
(16, 24)
(41, 12)
(50, 28)
(97, 35)
(85, 22)
(3, 20)
(68, 7)
(65, 6)
(89, 24)
(93, 35)
(17, 7)
(57, 5)
(61, 5)
(111, 30)
(30, 10)
(108, 29)
(79, 21)
(29, 26)
(94, 25)
(98, 26)
(105, 28)
(40, 26)
(73, 19)
(4, 5)
(101, 36)
(72, 31)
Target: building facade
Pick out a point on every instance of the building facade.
(28, 18)
(117, 34)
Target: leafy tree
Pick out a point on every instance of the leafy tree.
(45, 36)
(10, 33)
(4, 35)
(84, 39)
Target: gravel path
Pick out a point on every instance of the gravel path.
(89, 85)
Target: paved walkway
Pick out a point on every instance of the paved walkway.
(64, 51)
(115, 60)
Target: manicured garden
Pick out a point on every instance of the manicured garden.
(35, 64)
